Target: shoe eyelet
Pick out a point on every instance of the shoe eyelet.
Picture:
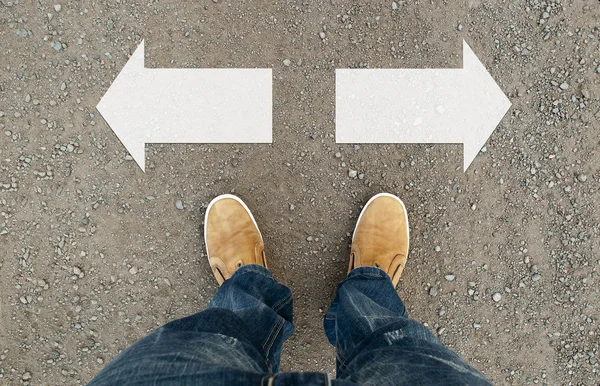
(239, 264)
(377, 265)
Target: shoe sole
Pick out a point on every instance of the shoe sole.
(373, 199)
(219, 198)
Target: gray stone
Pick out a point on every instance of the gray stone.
(433, 291)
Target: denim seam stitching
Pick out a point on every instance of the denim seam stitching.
(272, 335)
(280, 304)
(340, 356)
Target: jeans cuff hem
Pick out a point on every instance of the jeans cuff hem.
(368, 271)
(256, 268)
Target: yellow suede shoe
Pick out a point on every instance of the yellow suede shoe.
(231, 236)
(381, 236)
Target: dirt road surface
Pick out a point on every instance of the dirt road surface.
(95, 254)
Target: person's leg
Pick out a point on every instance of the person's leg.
(377, 343)
(238, 338)
(375, 340)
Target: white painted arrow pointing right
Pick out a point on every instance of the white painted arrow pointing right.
(420, 105)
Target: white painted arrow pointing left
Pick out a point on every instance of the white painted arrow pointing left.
(177, 105)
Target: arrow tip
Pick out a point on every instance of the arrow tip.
(120, 108)
(137, 150)
(485, 102)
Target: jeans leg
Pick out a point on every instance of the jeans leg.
(236, 340)
(377, 343)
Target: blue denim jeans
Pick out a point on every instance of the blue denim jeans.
(237, 340)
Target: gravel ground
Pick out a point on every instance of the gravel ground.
(94, 254)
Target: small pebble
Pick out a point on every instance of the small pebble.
(433, 291)
(585, 92)
(57, 7)
(497, 297)
(322, 35)
(179, 204)
(352, 173)
(286, 62)
(450, 277)
(394, 5)
(582, 178)
(536, 277)
(564, 86)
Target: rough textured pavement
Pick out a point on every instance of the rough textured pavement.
(94, 254)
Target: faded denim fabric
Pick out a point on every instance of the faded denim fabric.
(237, 340)
(377, 344)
